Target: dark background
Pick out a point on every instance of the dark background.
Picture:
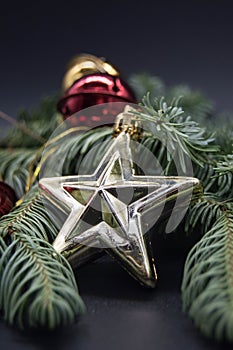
(180, 41)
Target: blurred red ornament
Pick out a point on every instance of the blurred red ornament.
(7, 198)
(91, 81)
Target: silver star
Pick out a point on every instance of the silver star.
(113, 209)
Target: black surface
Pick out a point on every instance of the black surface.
(182, 42)
(122, 315)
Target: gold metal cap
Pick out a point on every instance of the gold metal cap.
(85, 64)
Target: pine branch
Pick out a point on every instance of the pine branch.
(77, 147)
(215, 179)
(38, 288)
(14, 167)
(222, 126)
(207, 288)
(30, 214)
(181, 135)
(225, 165)
(143, 83)
(193, 102)
(204, 212)
(41, 122)
(37, 285)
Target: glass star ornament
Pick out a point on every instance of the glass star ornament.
(113, 209)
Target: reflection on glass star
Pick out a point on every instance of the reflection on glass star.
(113, 209)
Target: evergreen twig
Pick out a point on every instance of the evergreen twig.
(179, 133)
(37, 285)
(207, 287)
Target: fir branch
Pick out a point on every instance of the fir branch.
(44, 111)
(204, 212)
(207, 288)
(215, 179)
(37, 286)
(74, 149)
(14, 165)
(22, 127)
(180, 133)
(225, 165)
(193, 102)
(32, 216)
(40, 123)
(143, 83)
(218, 176)
(222, 126)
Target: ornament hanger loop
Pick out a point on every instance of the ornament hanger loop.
(128, 123)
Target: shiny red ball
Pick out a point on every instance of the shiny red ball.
(95, 89)
(7, 198)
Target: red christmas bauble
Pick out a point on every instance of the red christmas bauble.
(95, 89)
(90, 81)
(7, 198)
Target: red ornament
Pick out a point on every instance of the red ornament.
(7, 198)
(93, 89)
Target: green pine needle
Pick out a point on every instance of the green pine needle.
(207, 288)
(193, 102)
(204, 212)
(179, 133)
(14, 167)
(41, 123)
(225, 165)
(214, 181)
(37, 285)
(38, 289)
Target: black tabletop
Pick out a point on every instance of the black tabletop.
(121, 314)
